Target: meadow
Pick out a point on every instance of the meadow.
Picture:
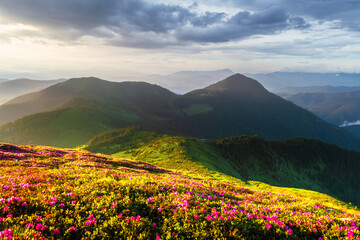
(53, 193)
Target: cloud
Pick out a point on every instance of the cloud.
(345, 12)
(139, 23)
(244, 24)
(348, 124)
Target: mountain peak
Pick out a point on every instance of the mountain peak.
(236, 84)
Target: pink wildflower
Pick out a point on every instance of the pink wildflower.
(41, 227)
(268, 225)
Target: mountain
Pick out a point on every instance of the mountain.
(14, 88)
(300, 163)
(354, 129)
(240, 105)
(70, 113)
(235, 106)
(86, 92)
(335, 108)
(185, 81)
(276, 80)
(316, 89)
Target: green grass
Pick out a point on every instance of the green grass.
(74, 126)
(298, 163)
(67, 127)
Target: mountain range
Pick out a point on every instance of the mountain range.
(186, 81)
(276, 80)
(14, 88)
(332, 107)
(316, 89)
(72, 112)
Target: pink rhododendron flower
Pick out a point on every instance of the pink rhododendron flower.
(268, 225)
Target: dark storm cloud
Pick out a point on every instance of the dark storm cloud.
(244, 24)
(345, 12)
(123, 22)
(207, 19)
(84, 15)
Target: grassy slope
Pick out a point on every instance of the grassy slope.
(298, 163)
(68, 194)
(66, 128)
(163, 150)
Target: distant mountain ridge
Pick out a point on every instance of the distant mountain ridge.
(14, 88)
(332, 107)
(355, 130)
(234, 106)
(276, 80)
(186, 81)
(317, 89)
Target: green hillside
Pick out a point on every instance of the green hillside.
(235, 106)
(52, 193)
(137, 96)
(297, 163)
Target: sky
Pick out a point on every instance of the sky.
(117, 39)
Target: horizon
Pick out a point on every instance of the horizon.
(139, 77)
